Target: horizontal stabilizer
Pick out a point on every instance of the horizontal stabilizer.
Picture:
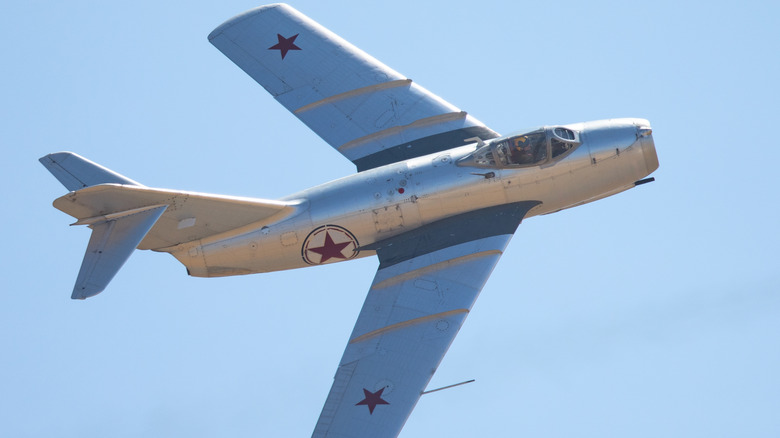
(191, 215)
(76, 172)
(111, 243)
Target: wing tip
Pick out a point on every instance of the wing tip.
(244, 15)
(84, 291)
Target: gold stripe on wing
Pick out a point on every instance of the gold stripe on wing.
(407, 323)
(353, 93)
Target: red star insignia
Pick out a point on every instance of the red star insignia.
(372, 399)
(330, 249)
(285, 44)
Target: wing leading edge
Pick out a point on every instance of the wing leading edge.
(370, 113)
(416, 304)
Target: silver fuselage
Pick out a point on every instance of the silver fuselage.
(383, 202)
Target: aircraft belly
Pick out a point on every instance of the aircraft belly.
(347, 214)
(353, 212)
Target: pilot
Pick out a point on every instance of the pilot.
(522, 153)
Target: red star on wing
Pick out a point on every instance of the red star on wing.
(285, 44)
(372, 399)
(330, 250)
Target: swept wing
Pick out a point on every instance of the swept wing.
(427, 281)
(368, 112)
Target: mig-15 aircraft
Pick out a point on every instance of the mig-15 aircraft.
(437, 196)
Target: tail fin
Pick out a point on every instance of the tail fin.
(125, 215)
(114, 237)
(76, 172)
(111, 243)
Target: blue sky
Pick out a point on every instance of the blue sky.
(655, 312)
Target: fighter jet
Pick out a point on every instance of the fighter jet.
(436, 197)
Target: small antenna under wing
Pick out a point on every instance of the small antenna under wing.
(447, 387)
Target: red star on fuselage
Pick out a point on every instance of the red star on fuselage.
(372, 399)
(330, 249)
(285, 44)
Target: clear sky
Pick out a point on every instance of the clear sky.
(652, 313)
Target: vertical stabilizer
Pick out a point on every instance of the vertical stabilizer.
(113, 240)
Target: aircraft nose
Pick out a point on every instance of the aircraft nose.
(645, 135)
(609, 138)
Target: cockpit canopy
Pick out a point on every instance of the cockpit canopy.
(533, 148)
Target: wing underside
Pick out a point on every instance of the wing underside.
(368, 112)
(423, 290)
